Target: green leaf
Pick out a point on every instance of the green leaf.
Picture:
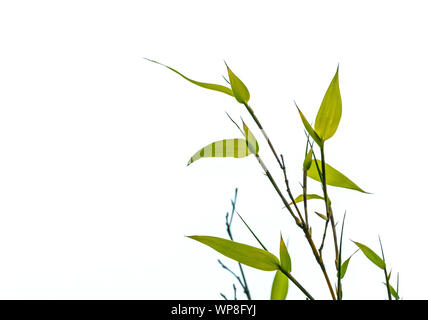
(284, 256)
(309, 128)
(236, 148)
(330, 111)
(239, 89)
(392, 290)
(371, 255)
(245, 254)
(321, 216)
(308, 197)
(344, 267)
(308, 161)
(210, 86)
(252, 143)
(279, 287)
(333, 177)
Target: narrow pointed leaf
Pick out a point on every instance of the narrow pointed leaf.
(236, 148)
(252, 143)
(309, 129)
(245, 254)
(279, 287)
(210, 86)
(344, 267)
(308, 197)
(285, 259)
(239, 89)
(333, 177)
(371, 255)
(393, 291)
(321, 216)
(308, 161)
(330, 111)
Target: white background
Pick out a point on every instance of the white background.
(95, 195)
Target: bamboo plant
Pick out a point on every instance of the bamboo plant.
(315, 167)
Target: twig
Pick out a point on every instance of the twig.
(385, 272)
(329, 211)
(302, 225)
(299, 223)
(292, 279)
(244, 283)
(233, 273)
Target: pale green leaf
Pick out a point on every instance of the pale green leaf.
(308, 197)
(245, 254)
(308, 161)
(236, 148)
(330, 111)
(321, 216)
(239, 89)
(279, 287)
(252, 143)
(333, 177)
(284, 256)
(371, 255)
(309, 128)
(210, 86)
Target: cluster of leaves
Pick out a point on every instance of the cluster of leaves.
(326, 124)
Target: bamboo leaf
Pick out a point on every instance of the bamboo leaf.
(333, 177)
(344, 267)
(309, 128)
(210, 86)
(321, 216)
(371, 255)
(239, 89)
(308, 197)
(252, 143)
(392, 290)
(308, 161)
(330, 111)
(284, 256)
(236, 148)
(245, 254)
(279, 287)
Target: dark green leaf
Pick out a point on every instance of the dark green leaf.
(245, 254)
(333, 177)
(279, 286)
(330, 111)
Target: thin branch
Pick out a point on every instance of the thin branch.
(385, 272)
(248, 227)
(329, 211)
(243, 283)
(339, 275)
(288, 188)
(300, 224)
(233, 273)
